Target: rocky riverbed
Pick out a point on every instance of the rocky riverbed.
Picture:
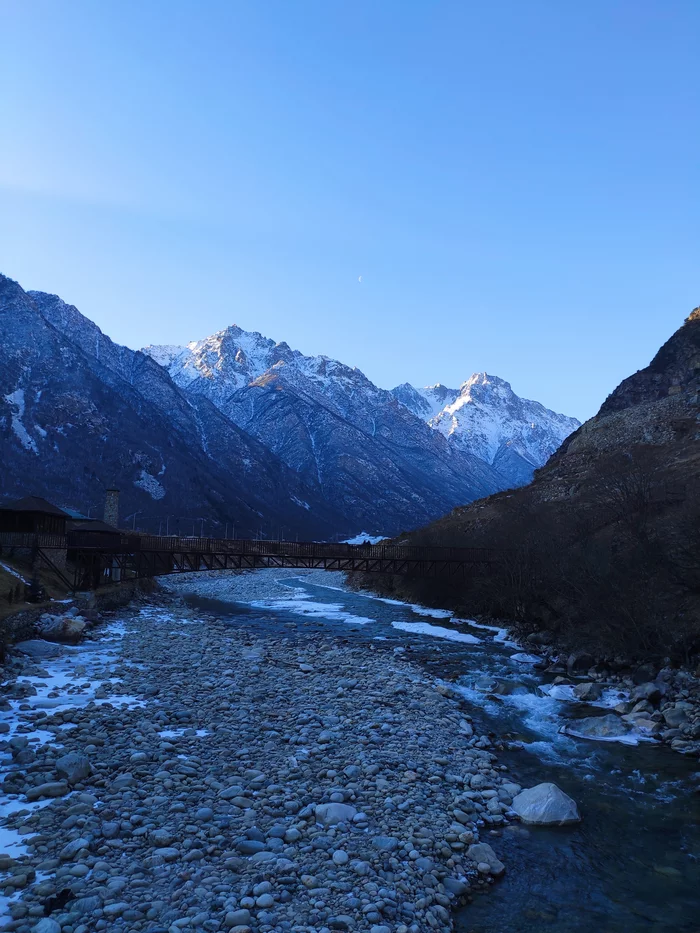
(175, 773)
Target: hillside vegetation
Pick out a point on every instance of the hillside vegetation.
(601, 549)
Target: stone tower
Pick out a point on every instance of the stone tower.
(112, 507)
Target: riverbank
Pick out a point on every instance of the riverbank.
(173, 772)
(661, 699)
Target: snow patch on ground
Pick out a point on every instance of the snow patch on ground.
(364, 537)
(16, 400)
(13, 572)
(437, 631)
(150, 485)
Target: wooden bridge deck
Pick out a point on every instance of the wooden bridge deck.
(94, 559)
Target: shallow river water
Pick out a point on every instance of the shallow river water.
(632, 864)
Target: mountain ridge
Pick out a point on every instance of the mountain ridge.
(230, 426)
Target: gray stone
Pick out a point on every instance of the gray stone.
(74, 767)
(588, 691)
(47, 925)
(237, 918)
(38, 649)
(328, 814)
(52, 789)
(579, 662)
(385, 843)
(482, 853)
(598, 727)
(71, 849)
(546, 805)
(675, 716)
(455, 886)
(648, 691)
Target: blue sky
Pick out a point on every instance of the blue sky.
(516, 181)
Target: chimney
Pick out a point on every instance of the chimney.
(112, 507)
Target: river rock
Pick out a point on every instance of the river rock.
(51, 789)
(644, 673)
(328, 814)
(598, 727)
(648, 691)
(546, 805)
(61, 628)
(588, 691)
(46, 925)
(675, 715)
(481, 852)
(38, 649)
(74, 767)
(579, 662)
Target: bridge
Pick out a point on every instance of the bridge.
(85, 561)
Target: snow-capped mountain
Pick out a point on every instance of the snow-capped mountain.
(239, 428)
(368, 454)
(79, 413)
(425, 402)
(484, 417)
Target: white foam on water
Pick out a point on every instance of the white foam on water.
(437, 631)
(523, 658)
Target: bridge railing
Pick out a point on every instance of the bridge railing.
(127, 543)
(252, 547)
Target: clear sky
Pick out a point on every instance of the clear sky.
(516, 181)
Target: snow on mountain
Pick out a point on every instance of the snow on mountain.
(367, 453)
(487, 419)
(426, 402)
(79, 413)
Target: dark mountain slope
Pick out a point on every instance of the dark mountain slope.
(602, 546)
(78, 412)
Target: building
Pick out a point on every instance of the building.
(33, 515)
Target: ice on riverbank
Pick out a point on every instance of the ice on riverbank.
(301, 604)
(437, 631)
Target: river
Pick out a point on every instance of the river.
(632, 864)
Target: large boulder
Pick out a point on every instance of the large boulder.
(588, 691)
(577, 663)
(644, 673)
(38, 649)
(74, 767)
(483, 854)
(65, 628)
(546, 805)
(647, 691)
(598, 727)
(677, 715)
(328, 814)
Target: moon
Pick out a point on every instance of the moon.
(359, 279)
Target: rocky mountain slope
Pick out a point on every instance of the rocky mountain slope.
(78, 413)
(369, 450)
(484, 417)
(602, 546)
(368, 454)
(238, 428)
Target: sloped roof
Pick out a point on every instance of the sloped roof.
(76, 515)
(92, 524)
(35, 504)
